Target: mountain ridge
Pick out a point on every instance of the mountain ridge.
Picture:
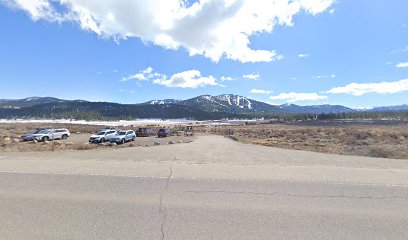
(224, 105)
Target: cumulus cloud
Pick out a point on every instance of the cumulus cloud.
(358, 89)
(37, 9)
(213, 28)
(252, 76)
(402, 65)
(186, 79)
(296, 97)
(260, 91)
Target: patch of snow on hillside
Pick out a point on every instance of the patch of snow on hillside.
(249, 104)
(32, 98)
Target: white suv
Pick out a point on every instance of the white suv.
(102, 136)
(49, 134)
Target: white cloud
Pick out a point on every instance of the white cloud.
(303, 55)
(260, 91)
(127, 91)
(358, 89)
(402, 65)
(37, 9)
(332, 11)
(223, 79)
(296, 97)
(252, 76)
(213, 28)
(400, 50)
(324, 76)
(143, 75)
(186, 79)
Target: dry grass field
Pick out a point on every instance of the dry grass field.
(11, 132)
(374, 140)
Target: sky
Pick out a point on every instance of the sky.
(305, 52)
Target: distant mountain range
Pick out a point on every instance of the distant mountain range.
(403, 107)
(30, 101)
(239, 104)
(201, 107)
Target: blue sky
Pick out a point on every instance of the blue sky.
(353, 53)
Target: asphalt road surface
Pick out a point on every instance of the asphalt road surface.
(212, 188)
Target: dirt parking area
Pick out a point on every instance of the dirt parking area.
(10, 142)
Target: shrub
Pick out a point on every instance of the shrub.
(380, 152)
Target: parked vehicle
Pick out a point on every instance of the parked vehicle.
(123, 136)
(117, 129)
(29, 136)
(164, 132)
(189, 131)
(50, 134)
(145, 132)
(102, 136)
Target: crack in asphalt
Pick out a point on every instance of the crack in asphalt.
(162, 208)
(300, 195)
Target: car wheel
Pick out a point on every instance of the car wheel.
(64, 136)
(123, 141)
(133, 139)
(102, 140)
(45, 139)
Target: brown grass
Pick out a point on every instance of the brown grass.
(385, 141)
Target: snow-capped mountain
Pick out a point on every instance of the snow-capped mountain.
(162, 102)
(230, 103)
(235, 100)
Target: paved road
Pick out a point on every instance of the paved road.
(213, 188)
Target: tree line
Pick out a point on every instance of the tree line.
(113, 111)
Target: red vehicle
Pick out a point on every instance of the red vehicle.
(164, 132)
(145, 132)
